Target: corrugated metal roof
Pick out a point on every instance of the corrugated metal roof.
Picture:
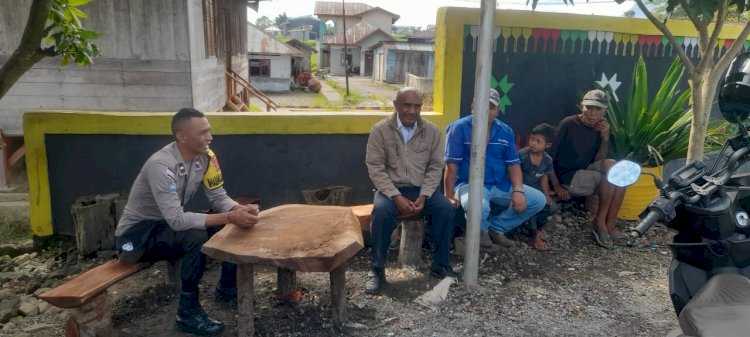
(403, 45)
(260, 42)
(329, 8)
(294, 43)
(355, 34)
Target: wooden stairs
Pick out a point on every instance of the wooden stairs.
(239, 92)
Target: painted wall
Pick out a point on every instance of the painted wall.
(378, 19)
(543, 63)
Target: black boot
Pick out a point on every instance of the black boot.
(192, 319)
(226, 289)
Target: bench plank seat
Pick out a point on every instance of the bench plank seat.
(82, 288)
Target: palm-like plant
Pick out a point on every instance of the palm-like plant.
(651, 132)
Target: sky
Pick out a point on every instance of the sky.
(422, 12)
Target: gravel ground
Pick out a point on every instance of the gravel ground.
(575, 289)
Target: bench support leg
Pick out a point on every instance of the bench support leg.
(338, 293)
(245, 298)
(172, 278)
(412, 234)
(286, 282)
(92, 319)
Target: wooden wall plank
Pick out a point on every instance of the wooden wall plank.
(151, 38)
(122, 36)
(137, 29)
(181, 31)
(5, 49)
(25, 90)
(166, 30)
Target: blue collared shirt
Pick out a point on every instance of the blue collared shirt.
(501, 152)
(407, 133)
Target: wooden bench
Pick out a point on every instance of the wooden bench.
(13, 152)
(87, 295)
(412, 234)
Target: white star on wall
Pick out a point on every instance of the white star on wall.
(612, 83)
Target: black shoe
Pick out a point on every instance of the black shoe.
(375, 282)
(225, 294)
(193, 320)
(198, 323)
(441, 272)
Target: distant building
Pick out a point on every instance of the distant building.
(306, 21)
(272, 64)
(365, 27)
(394, 59)
(306, 51)
(303, 33)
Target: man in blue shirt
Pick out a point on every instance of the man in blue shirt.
(503, 180)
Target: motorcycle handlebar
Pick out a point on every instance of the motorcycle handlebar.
(645, 224)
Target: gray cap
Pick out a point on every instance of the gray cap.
(494, 97)
(596, 97)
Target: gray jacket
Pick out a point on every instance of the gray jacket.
(166, 183)
(392, 163)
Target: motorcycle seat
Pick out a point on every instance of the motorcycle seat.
(720, 308)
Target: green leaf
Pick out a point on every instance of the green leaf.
(77, 12)
(76, 3)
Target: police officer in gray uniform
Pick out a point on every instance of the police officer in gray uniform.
(154, 225)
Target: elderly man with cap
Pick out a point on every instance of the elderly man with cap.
(579, 153)
(503, 179)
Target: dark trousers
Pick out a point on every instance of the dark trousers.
(151, 241)
(383, 220)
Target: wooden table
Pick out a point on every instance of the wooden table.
(304, 238)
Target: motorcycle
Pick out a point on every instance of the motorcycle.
(709, 276)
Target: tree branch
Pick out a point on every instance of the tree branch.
(710, 45)
(668, 34)
(29, 51)
(702, 31)
(733, 50)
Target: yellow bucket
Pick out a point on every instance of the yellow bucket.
(640, 194)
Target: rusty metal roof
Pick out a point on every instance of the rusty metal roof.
(297, 44)
(358, 9)
(356, 34)
(404, 45)
(260, 42)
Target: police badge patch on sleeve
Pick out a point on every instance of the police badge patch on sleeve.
(212, 179)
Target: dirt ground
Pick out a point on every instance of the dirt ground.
(575, 289)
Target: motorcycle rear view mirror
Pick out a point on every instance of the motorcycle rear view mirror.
(624, 173)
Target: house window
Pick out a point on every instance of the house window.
(209, 24)
(261, 68)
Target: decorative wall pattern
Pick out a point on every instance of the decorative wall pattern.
(567, 41)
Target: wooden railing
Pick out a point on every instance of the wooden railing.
(239, 92)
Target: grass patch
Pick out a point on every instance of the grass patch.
(13, 230)
(254, 108)
(353, 98)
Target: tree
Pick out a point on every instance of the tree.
(706, 74)
(280, 21)
(53, 29)
(263, 22)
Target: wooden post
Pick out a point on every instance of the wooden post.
(412, 234)
(245, 298)
(338, 293)
(92, 319)
(286, 281)
(172, 278)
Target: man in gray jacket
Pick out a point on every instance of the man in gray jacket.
(154, 225)
(405, 162)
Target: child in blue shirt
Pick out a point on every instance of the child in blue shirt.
(536, 166)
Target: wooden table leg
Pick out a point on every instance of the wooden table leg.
(286, 282)
(338, 293)
(245, 300)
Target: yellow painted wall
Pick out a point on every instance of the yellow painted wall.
(40, 123)
(449, 41)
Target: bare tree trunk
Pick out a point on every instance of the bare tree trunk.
(29, 52)
(702, 95)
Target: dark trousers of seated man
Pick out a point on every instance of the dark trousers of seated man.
(155, 241)
(151, 241)
(383, 221)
